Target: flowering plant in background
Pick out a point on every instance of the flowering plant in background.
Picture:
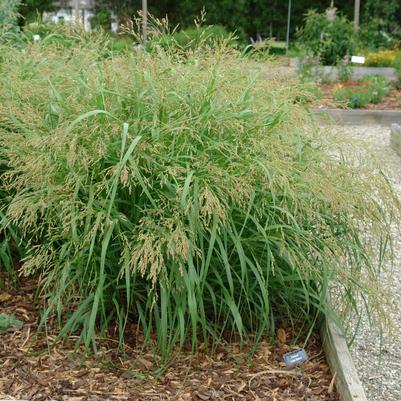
(354, 94)
(384, 58)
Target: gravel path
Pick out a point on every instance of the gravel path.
(380, 368)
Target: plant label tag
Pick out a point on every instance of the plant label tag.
(295, 358)
(358, 59)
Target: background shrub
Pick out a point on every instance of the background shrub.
(102, 19)
(374, 36)
(331, 41)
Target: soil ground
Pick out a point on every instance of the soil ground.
(32, 370)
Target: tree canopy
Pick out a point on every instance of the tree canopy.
(30, 9)
(249, 17)
(246, 17)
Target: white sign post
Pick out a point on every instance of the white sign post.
(358, 59)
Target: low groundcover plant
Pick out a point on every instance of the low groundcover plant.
(370, 89)
(178, 191)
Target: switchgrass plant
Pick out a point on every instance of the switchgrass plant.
(67, 36)
(180, 192)
(9, 250)
(9, 18)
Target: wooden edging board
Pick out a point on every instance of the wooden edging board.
(357, 116)
(340, 361)
(395, 137)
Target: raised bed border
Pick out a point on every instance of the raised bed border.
(357, 72)
(357, 116)
(339, 358)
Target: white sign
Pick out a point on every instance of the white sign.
(358, 59)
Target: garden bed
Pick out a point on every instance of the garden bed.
(391, 101)
(32, 371)
(163, 203)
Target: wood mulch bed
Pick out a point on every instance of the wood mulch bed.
(60, 373)
(391, 101)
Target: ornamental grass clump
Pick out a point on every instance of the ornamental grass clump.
(181, 193)
(8, 13)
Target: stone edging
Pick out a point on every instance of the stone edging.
(332, 73)
(340, 361)
(357, 116)
(357, 72)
